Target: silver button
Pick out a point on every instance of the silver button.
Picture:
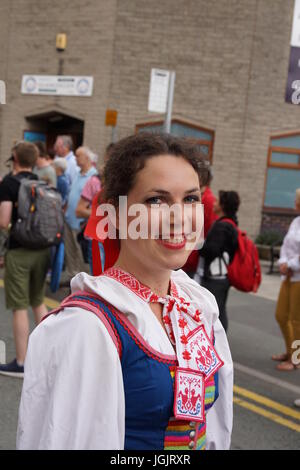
(192, 424)
(191, 444)
(192, 434)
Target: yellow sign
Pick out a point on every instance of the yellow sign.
(61, 42)
(111, 117)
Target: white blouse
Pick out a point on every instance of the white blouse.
(73, 395)
(290, 250)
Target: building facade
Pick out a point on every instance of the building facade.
(231, 61)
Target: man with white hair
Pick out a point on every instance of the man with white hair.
(86, 161)
(63, 148)
(63, 185)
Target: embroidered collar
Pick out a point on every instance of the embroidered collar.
(142, 291)
(179, 316)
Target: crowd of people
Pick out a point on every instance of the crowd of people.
(76, 177)
(129, 361)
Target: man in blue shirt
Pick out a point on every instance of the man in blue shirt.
(86, 161)
(63, 148)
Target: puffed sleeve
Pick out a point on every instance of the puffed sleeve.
(72, 396)
(220, 415)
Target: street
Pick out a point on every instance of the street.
(254, 336)
(264, 415)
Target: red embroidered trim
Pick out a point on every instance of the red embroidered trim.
(74, 301)
(109, 321)
(221, 363)
(137, 338)
(133, 333)
(195, 375)
(129, 281)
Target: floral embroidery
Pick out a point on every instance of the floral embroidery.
(182, 321)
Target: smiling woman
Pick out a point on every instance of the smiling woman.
(138, 358)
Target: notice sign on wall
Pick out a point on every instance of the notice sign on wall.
(158, 93)
(57, 85)
(293, 82)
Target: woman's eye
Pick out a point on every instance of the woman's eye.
(191, 199)
(154, 200)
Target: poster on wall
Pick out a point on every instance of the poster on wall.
(57, 85)
(292, 94)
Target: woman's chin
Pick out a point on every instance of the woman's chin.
(176, 261)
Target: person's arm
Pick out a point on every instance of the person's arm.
(292, 263)
(7, 198)
(283, 257)
(220, 416)
(83, 208)
(5, 214)
(72, 170)
(73, 396)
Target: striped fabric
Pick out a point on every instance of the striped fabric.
(179, 433)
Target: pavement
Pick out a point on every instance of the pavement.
(270, 284)
(264, 415)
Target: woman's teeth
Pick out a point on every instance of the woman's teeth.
(174, 240)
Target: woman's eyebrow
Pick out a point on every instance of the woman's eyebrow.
(163, 191)
(194, 190)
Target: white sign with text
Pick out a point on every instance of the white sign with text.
(158, 94)
(57, 85)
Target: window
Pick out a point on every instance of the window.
(204, 138)
(283, 172)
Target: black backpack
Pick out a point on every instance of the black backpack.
(40, 219)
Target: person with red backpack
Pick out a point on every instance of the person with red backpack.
(230, 257)
(219, 249)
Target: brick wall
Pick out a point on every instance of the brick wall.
(231, 61)
(30, 49)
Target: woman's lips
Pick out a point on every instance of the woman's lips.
(174, 243)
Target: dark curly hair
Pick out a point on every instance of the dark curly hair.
(129, 156)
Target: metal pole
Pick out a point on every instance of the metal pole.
(168, 118)
(114, 134)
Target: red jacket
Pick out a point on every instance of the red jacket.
(208, 199)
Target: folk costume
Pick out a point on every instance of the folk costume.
(102, 373)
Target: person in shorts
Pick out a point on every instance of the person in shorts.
(25, 269)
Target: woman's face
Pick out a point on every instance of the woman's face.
(164, 181)
(217, 208)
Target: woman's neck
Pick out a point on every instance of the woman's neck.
(158, 281)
